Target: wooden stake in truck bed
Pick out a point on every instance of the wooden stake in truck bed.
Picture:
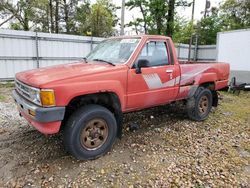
(86, 99)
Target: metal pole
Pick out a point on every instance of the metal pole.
(207, 6)
(178, 50)
(37, 52)
(196, 48)
(191, 38)
(91, 44)
(122, 17)
(193, 12)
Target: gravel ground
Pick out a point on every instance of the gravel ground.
(168, 150)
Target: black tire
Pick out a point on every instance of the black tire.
(77, 126)
(194, 109)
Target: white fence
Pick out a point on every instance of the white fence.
(199, 53)
(22, 50)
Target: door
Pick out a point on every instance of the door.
(156, 84)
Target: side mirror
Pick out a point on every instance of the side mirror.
(141, 63)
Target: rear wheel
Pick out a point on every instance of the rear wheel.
(90, 132)
(199, 106)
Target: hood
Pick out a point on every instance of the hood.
(38, 77)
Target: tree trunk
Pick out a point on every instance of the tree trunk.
(26, 21)
(97, 24)
(52, 29)
(170, 19)
(66, 16)
(47, 17)
(158, 25)
(57, 17)
(144, 19)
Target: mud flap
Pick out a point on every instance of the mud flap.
(192, 91)
(215, 99)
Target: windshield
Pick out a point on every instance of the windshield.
(115, 51)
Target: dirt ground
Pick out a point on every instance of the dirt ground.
(168, 150)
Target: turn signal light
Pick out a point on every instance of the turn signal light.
(33, 113)
(47, 97)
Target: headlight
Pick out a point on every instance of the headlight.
(34, 95)
(47, 97)
(42, 97)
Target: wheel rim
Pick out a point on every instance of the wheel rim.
(94, 135)
(203, 104)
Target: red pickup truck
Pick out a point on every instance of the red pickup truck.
(87, 99)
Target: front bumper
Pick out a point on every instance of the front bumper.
(45, 120)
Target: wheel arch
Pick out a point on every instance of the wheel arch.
(211, 86)
(109, 100)
(208, 85)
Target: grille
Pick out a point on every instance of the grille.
(22, 89)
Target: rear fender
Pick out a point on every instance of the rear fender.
(205, 78)
(201, 80)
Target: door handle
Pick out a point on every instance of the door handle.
(169, 71)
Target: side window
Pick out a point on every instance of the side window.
(155, 52)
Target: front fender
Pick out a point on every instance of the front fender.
(66, 92)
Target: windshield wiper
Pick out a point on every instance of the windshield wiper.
(102, 60)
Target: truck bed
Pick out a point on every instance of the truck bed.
(196, 73)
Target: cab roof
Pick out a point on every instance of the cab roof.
(143, 36)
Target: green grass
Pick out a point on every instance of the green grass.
(8, 84)
(2, 98)
(238, 106)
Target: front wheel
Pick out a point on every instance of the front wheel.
(199, 106)
(90, 132)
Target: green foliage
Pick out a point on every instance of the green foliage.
(60, 16)
(235, 14)
(101, 19)
(144, 9)
(157, 15)
(153, 15)
(22, 11)
(231, 15)
(81, 17)
(207, 28)
(183, 30)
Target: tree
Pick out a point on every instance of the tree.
(101, 20)
(208, 27)
(21, 11)
(157, 15)
(143, 6)
(172, 4)
(136, 25)
(81, 17)
(170, 19)
(235, 14)
(183, 29)
(69, 8)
